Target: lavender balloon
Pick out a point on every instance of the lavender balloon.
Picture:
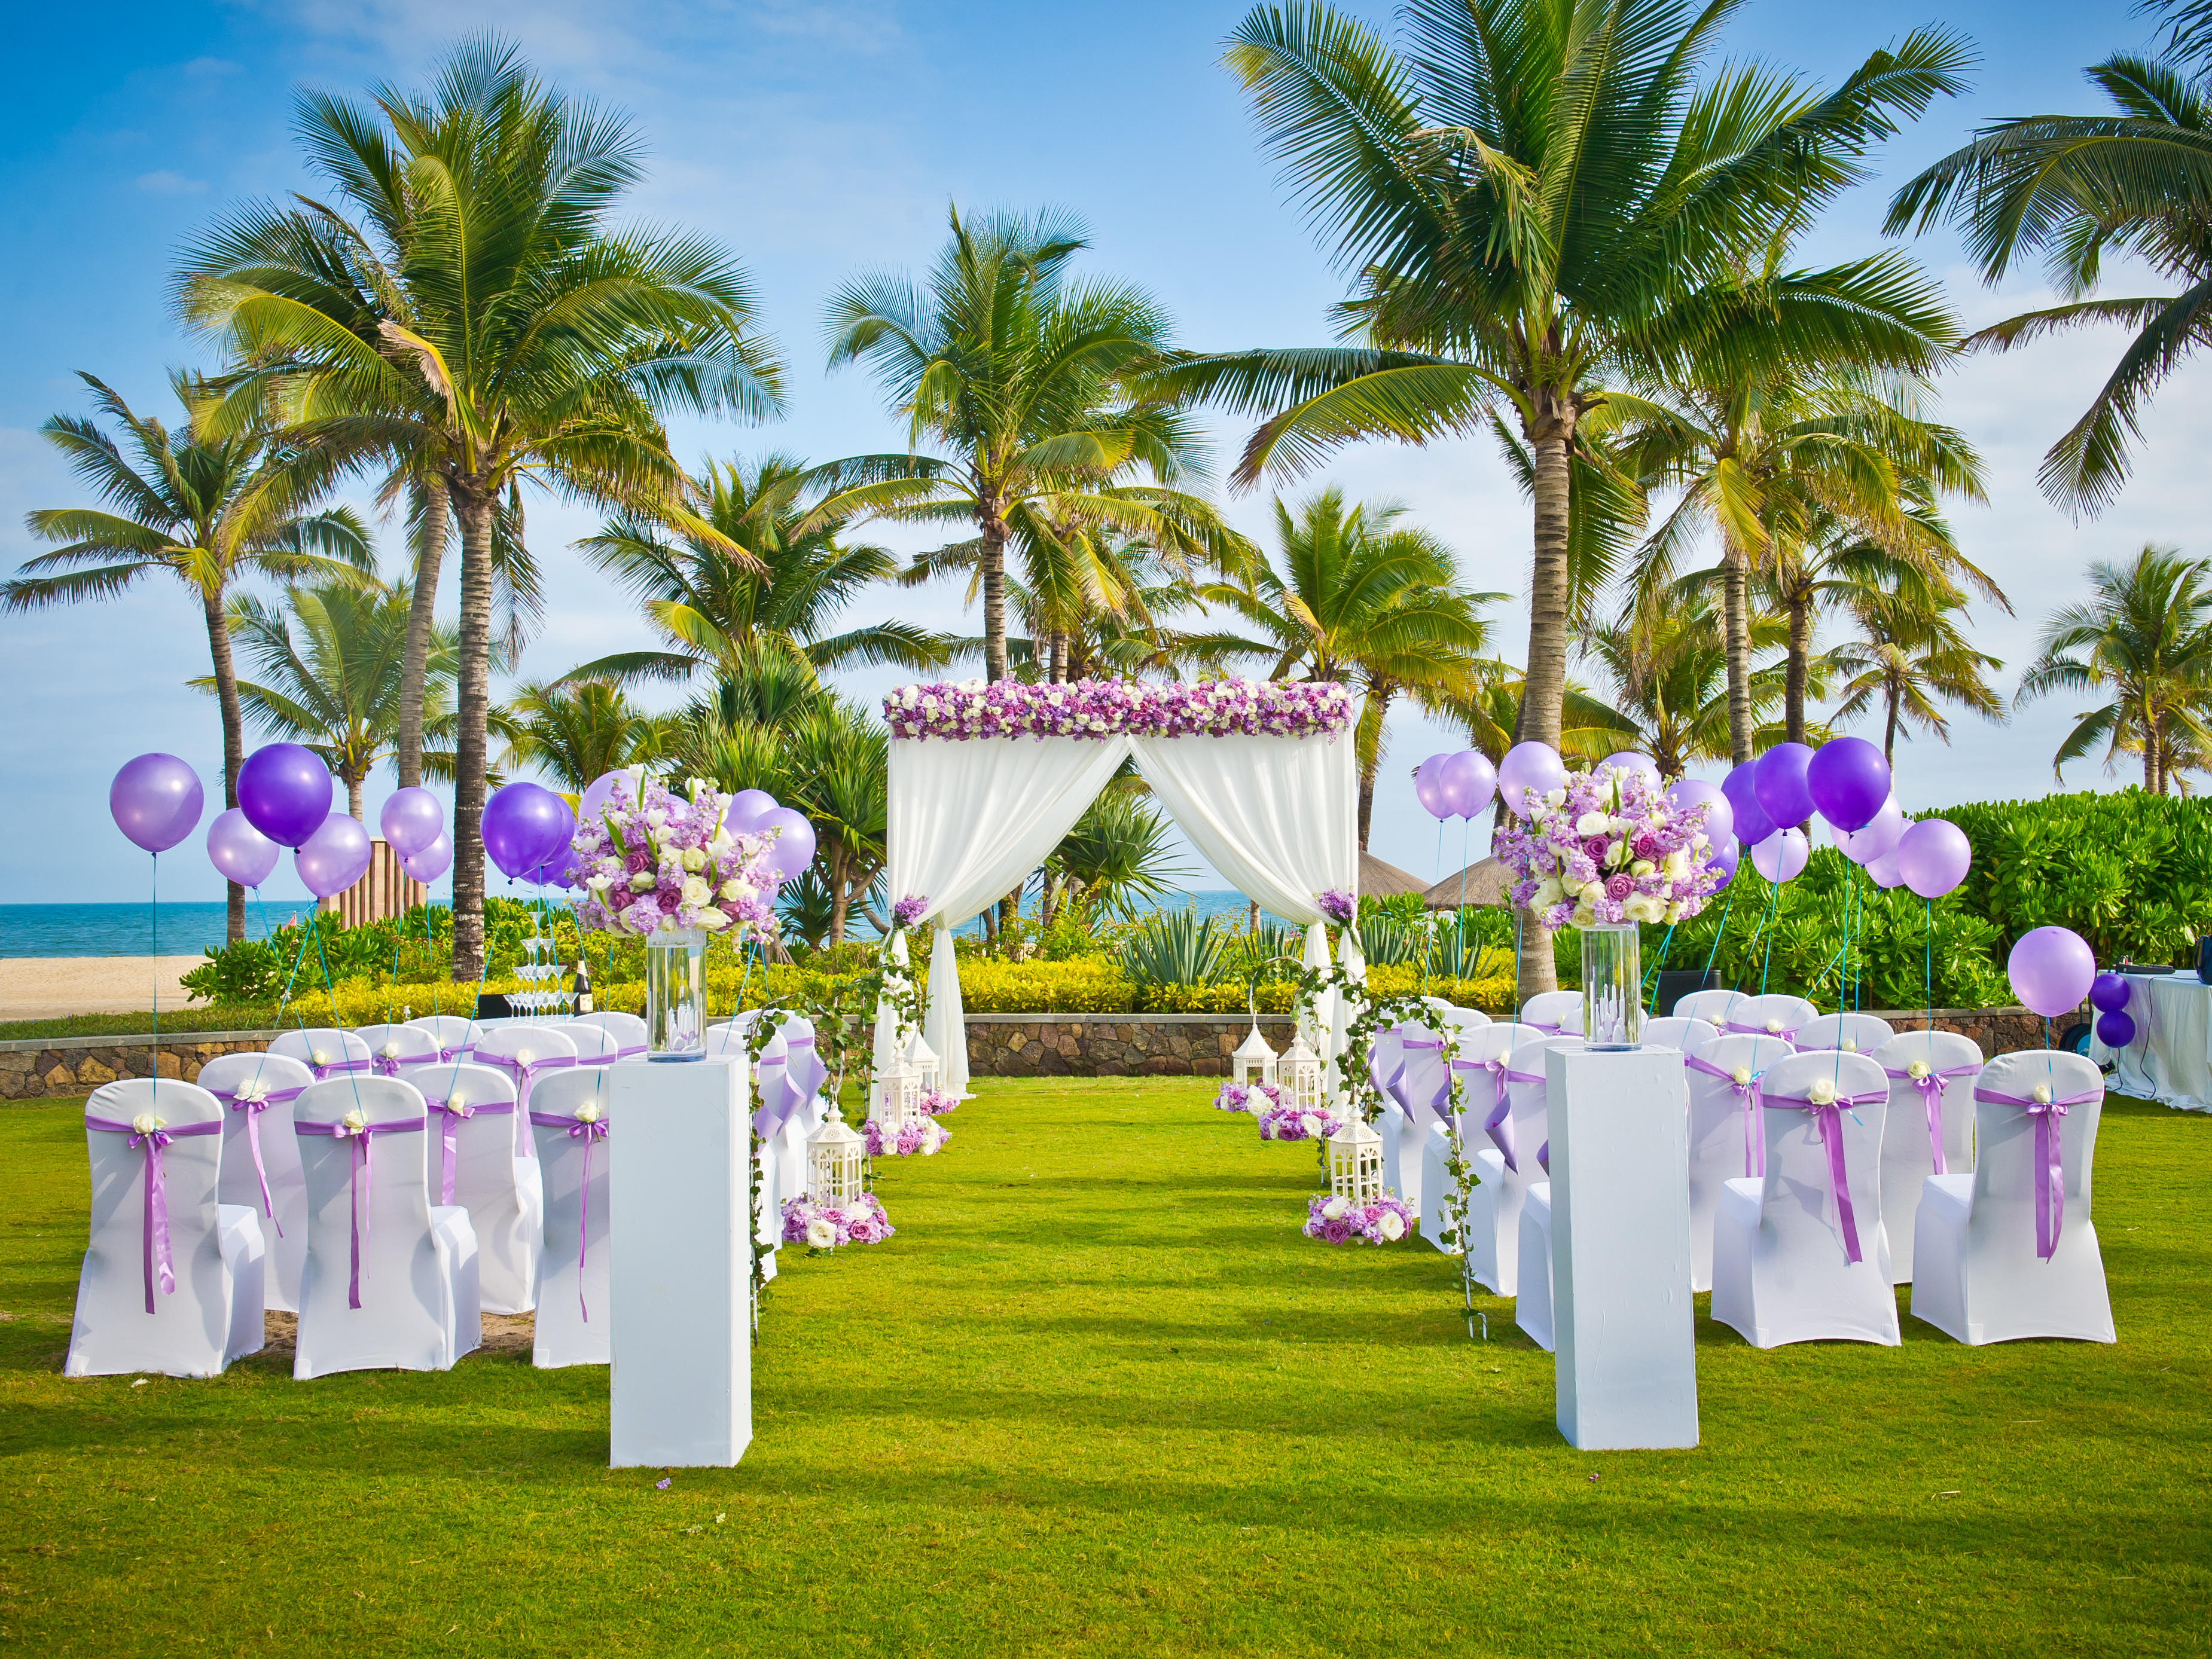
(411, 820)
(1720, 816)
(1724, 856)
(2115, 1030)
(334, 858)
(523, 825)
(1847, 781)
(1468, 780)
(1865, 844)
(2109, 993)
(285, 791)
(1428, 791)
(1740, 786)
(1529, 771)
(155, 800)
(1782, 854)
(1633, 760)
(432, 862)
(2051, 970)
(1933, 857)
(793, 848)
(1883, 871)
(746, 808)
(592, 804)
(241, 852)
(1780, 781)
(552, 870)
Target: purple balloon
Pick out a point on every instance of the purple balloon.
(432, 862)
(241, 852)
(746, 808)
(334, 858)
(1724, 856)
(411, 820)
(1847, 781)
(2115, 1030)
(592, 804)
(1780, 781)
(552, 871)
(1865, 844)
(1740, 786)
(524, 825)
(2051, 969)
(1428, 791)
(793, 850)
(1782, 854)
(1633, 761)
(1883, 871)
(2109, 994)
(1468, 780)
(155, 800)
(1529, 771)
(1933, 857)
(1720, 816)
(285, 792)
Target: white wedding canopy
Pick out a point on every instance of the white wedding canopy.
(972, 815)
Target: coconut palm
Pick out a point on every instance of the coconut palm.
(1913, 658)
(2145, 639)
(1590, 728)
(577, 730)
(484, 323)
(333, 685)
(1118, 859)
(204, 507)
(1669, 666)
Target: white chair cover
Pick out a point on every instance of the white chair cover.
(1771, 1016)
(1494, 1208)
(1554, 1012)
(391, 1279)
(575, 1155)
(1452, 1014)
(1532, 1308)
(526, 1053)
(1854, 1034)
(171, 1277)
(2010, 1251)
(1683, 1033)
(1801, 1256)
(727, 1038)
(261, 1160)
(472, 1163)
(800, 1111)
(1726, 1135)
(328, 1052)
(391, 1047)
(1715, 1007)
(1479, 1055)
(1418, 1084)
(1930, 1129)
(455, 1036)
(595, 1044)
(627, 1029)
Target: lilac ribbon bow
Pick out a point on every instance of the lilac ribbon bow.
(153, 1228)
(361, 1176)
(388, 1065)
(1931, 1085)
(253, 1108)
(523, 1071)
(1423, 1081)
(578, 1130)
(1787, 1033)
(2050, 1165)
(1498, 1125)
(804, 1074)
(324, 1072)
(774, 1081)
(1828, 1118)
(455, 1113)
(1754, 1138)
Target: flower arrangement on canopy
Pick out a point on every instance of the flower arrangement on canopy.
(655, 862)
(1335, 1219)
(1610, 847)
(1112, 708)
(858, 1220)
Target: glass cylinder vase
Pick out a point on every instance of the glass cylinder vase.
(676, 994)
(1612, 985)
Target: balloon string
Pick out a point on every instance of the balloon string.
(1664, 946)
(154, 923)
(1725, 905)
(1927, 959)
(1774, 910)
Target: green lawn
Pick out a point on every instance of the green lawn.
(1098, 1397)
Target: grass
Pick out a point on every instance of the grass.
(1098, 1397)
(137, 1025)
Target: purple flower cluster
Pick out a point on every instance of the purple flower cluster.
(1239, 1097)
(1108, 708)
(909, 910)
(936, 1103)
(1337, 1220)
(823, 1227)
(1284, 1122)
(1610, 847)
(921, 1138)
(659, 863)
(1339, 906)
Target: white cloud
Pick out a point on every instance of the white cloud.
(166, 182)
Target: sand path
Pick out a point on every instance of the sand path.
(48, 987)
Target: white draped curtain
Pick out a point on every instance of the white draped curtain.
(969, 819)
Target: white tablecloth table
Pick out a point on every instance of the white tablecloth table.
(2171, 1058)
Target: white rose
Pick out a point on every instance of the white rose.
(695, 891)
(734, 891)
(2042, 1094)
(1548, 893)
(642, 882)
(322, 1056)
(1917, 1069)
(1642, 867)
(1774, 1027)
(692, 858)
(1622, 826)
(1311, 1124)
(1851, 1045)
(1592, 823)
(1392, 1226)
(1335, 1209)
(392, 1048)
(1583, 915)
(820, 1234)
(1677, 865)
(1740, 1077)
(146, 1124)
(353, 1122)
(713, 920)
(1821, 1092)
(1615, 851)
(1643, 907)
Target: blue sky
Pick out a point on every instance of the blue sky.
(818, 139)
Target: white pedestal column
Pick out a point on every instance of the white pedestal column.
(680, 1265)
(1622, 1316)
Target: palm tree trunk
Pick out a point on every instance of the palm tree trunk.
(1543, 690)
(1735, 623)
(1793, 690)
(841, 896)
(1370, 740)
(474, 509)
(1060, 657)
(993, 561)
(1889, 726)
(234, 745)
(353, 798)
(429, 554)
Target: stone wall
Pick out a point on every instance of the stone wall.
(78, 1065)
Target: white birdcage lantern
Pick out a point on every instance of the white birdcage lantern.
(833, 1163)
(1300, 1076)
(1355, 1163)
(926, 1068)
(1254, 1061)
(898, 1095)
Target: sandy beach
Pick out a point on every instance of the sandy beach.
(47, 987)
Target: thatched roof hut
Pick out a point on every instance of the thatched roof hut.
(1482, 883)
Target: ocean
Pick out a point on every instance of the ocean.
(184, 929)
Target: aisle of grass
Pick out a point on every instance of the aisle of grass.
(1097, 1397)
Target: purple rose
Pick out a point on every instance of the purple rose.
(1594, 849)
(1647, 847)
(1618, 887)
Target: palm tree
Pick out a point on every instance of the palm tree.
(1362, 600)
(2076, 190)
(1590, 728)
(1668, 667)
(2146, 639)
(1913, 659)
(334, 685)
(1118, 858)
(483, 325)
(577, 730)
(204, 507)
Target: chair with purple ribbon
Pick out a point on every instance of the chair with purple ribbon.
(1480, 1057)
(1554, 1012)
(1800, 1254)
(1508, 1149)
(1727, 1140)
(172, 1276)
(1713, 1005)
(391, 1047)
(453, 1035)
(798, 1114)
(1453, 1015)
(1930, 1129)
(327, 1051)
(725, 1039)
(1684, 1033)
(1386, 1068)
(1420, 1096)
(1532, 1302)
(261, 1164)
(391, 1280)
(627, 1029)
(575, 1150)
(595, 1044)
(525, 1051)
(1854, 1034)
(473, 1163)
(2010, 1251)
(1775, 1015)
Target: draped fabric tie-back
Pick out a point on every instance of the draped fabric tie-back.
(361, 1177)
(2050, 1164)
(1746, 1091)
(1498, 1124)
(454, 1113)
(1828, 1118)
(154, 1225)
(246, 1099)
(1423, 1077)
(803, 1075)
(1931, 1085)
(589, 1130)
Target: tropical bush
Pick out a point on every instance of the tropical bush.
(1174, 948)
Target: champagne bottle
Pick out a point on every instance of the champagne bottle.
(583, 1000)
